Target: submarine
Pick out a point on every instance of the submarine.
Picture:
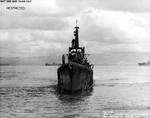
(75, 74)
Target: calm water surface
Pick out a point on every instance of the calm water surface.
(29, 92)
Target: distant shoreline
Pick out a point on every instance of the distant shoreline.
(60, 64)
(4, 64)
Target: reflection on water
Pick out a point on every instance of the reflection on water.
(30, 92)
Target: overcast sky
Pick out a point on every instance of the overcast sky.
(46, 26)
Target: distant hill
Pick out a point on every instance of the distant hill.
(103, 58)
(119, 58)
(29, 60)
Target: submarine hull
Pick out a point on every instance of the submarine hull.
(74, 77)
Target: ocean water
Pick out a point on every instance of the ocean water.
(119, 92)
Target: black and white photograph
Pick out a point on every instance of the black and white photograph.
(74, 58)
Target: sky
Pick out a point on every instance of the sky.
(46, 27)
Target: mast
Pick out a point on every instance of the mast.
(76, 36)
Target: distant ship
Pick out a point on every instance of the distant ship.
(144, 64)
(76, 73)
(52, 64)
(4, 64)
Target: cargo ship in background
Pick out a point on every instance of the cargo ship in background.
(144, 64)
(76, 73)
(52, 64)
